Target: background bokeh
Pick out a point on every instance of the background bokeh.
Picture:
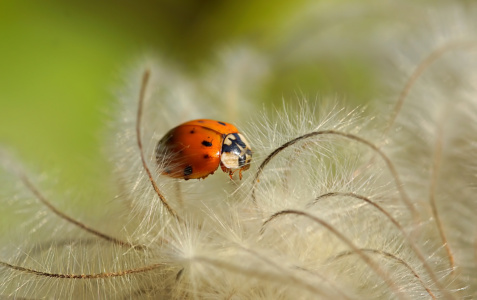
(60, 62)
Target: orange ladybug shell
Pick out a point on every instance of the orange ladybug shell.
(192, 150)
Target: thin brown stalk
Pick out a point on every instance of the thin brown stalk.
(142, 95)
(29, 185)
(81, 276)
(408, 238)
(418, 71)
(387, 255)
(423, 66)
(436, 163)
(375, 267)
(392, 169)
(290, 162)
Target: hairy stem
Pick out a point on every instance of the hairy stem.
(29, 185)
(387, 255)
(375, 267)
(392, 169)
(408, 238)
(142, 94)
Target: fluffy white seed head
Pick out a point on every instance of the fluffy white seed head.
(339, 203)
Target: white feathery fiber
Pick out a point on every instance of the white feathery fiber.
(339, 203)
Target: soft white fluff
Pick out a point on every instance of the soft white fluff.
(358, 210)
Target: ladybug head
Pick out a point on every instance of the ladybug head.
(236, 153)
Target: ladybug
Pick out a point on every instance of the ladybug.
(195, 149)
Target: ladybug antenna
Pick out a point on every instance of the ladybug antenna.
(142, 93)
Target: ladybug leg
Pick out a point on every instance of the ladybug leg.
(231, 173)
(227, 170)
(224, 168)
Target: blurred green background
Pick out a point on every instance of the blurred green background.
(59, 62)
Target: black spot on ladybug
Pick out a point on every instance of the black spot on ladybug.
(206, 156)
(207, 144)
(221, 123)
(200, 121)
(192, 131)
(187, 170)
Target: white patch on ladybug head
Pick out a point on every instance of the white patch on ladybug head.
(236, 152)
(229, 139)
(230, 160)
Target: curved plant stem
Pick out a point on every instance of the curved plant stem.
(407, 237)
(145, 80)
(29, 185)
(375, 267)
(387, 255)
(419, 70)
(82, 276)
(392, 169)
(436, 163)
